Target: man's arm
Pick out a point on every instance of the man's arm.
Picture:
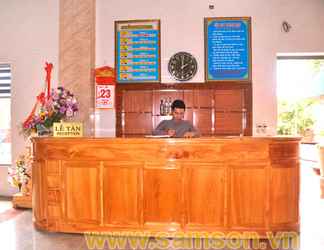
(195, 131)
(192, 132)
(160, 129)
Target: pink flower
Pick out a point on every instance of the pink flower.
(69, 112)
(60, 105)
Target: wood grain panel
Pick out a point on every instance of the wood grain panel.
(280, 151)
(284, 193)
(39, 191)
(231, 99)
(248, 151)
(121, 207)
(248, 189)
(203, 98)
(203, 121)
(170, 185)
(205, 194)
(81, 185)
(52, 168)
(162, 194)
(202, 149)
(54, 211)
(53, 181)
(189, 116)
(53, 197)
(53, 174)
(138, 123)
(138, 101)
(228, 123)
(188, 98)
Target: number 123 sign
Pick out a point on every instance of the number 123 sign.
(105, 96)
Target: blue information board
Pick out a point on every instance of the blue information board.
(227, 45)
(137, 51)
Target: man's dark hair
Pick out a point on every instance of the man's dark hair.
(178, 104)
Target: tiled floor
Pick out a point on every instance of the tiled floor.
(311, 210)
(18, 233)
(4, 204)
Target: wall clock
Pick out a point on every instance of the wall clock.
(182, 66)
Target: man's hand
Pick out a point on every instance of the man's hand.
(189, 135)
(171, 132)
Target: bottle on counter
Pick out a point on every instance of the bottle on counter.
(169, 104)
(162, 103)
(165, 107)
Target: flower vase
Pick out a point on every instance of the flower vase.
(44, 131)
(25, 189)
(19, 187)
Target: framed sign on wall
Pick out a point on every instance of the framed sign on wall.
(137, 51)
(228, 49)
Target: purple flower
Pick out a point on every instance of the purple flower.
(75, 107)
(69, 112)
(61, 102)
(62, 110)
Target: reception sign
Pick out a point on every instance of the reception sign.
(228, 49)
(67, 129)
(137, 51)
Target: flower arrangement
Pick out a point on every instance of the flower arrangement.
(61, 104)
(55, 106)
(20, 174)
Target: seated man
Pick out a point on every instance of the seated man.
(177, 127)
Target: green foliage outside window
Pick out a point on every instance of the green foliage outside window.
(295, 118)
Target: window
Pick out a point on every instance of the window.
(5, 100)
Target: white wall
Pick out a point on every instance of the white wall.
(182, 29)
(29, 37)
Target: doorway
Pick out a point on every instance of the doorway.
(300, 99)
(300, 96)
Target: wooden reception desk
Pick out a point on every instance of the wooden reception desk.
(166, 185)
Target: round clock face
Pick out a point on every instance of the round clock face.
(182, 66)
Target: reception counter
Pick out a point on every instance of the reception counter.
(245, 184)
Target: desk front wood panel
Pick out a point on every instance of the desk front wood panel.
(118, 207)
(171, 185)
(205, 191)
